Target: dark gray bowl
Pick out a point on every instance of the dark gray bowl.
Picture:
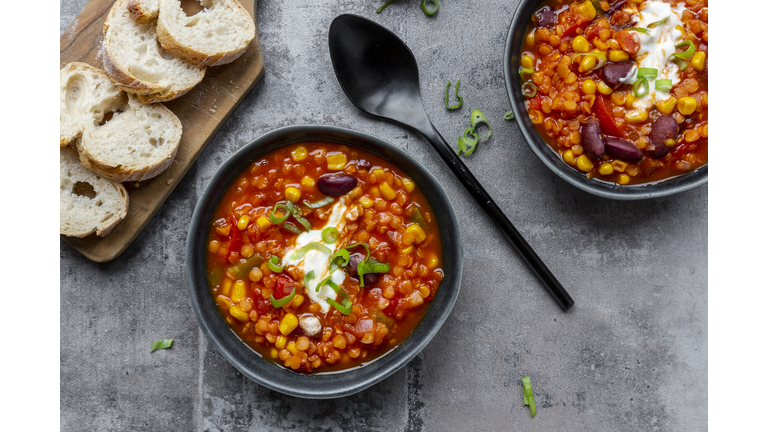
(551, 159)
(270, 374)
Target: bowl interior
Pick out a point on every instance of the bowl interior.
(547, 155)
(324, 385)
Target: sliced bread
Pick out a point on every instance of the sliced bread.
(87, 201)
(217, 35)
(143, 10)
(117, 136)
(134, 59)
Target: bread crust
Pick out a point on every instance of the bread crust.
(139, 12)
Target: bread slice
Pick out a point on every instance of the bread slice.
(143, 10)
(217, 35)
(135, 60)
(87, 201)
(117, 136)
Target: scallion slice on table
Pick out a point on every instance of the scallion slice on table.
(664, 85)
(638, 29)
(299, 254)
(477, 118)
(427, 11)
(370, 265)
(381, 8)
(277, 304)
(509, 115)
(274, 218)
(273, 263)
(461, 100)
(657, 23)
(330, 235)
(161, 344)
(528, 395)
(688, 53)
(468, 141)
(317, 204)
(641, 87)
(647, 72)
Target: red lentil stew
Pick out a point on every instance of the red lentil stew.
(322, 257)
(619, 87)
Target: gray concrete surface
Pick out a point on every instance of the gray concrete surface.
(630, 356)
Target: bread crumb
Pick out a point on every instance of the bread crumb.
(213, 111)
(169, 181)
(136, 184)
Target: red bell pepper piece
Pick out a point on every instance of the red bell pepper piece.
(235, 240)
(283, 287)
(535, 103)
(607, 124)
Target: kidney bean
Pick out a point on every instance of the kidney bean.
(664, 128)
(614, 73)
(622, 149)
(336, 184)
(592, 140)
(546, 18)
(370, 279)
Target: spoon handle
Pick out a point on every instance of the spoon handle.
(553, 286)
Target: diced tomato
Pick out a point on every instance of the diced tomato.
(629, 41)
(393, 302)
(283, 287)
(571, 30)
(535, 102)
(591, 33)
(607, 125)
(235, 240)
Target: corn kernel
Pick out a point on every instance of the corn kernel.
(637, 116)
(667, 106)
(619, 165)
(530, 38)
(527, 61)
(424, 291)
(705, 131)
(588, 87)
(581, 44)
(631, 98)
(619, 98)
(605, 169)
(698, 60)
(584, 163)
(354, 193)
(432, 261)
(308, 182)
(603, 88)
(587, 10)
(238, 291)
(416, 232)
(686, 105)
(618, 56)
(288, 324)
(387, 192)
(292, 347)
(238, 313)
(407, 250)
(569, 158)
(587, 64)
(243, 222)
(366, 202)
(299, 153)
(408, 185)
(298, 299)
(536, 116)
(280, 342)
(292, 194)
(226, 286)
(336, 161)
(263, 223)
(223, 302)
(273, 353)
(623, 179)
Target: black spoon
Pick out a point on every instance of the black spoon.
(378, 73)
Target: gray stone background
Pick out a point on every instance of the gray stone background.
(631, 355)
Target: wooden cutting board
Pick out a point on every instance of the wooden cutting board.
(201, 111)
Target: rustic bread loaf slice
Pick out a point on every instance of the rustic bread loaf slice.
(217, 35)
(134, 59)
(87, 201)
(143, 10)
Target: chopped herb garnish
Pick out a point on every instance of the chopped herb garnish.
(647, 72)
(641, 87)
(638, 29)
(317, 204)
(658, 23)
(370, 265)
(664, 85)
(381, 8)
(529, 89)
(273, 264)
(297, 215)
(308, 278)
(299, 254)
(161, 344)
(330, 235)
(461, 100)
(528, 395)
(277, 304)
(291, 227)
(345, 307)
(688, 53)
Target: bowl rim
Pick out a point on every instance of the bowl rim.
(268, 373)
(550, 158)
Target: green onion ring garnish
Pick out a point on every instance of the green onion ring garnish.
(308, 278)
(277, 304)
(424, 6)
(638, 29)
(664, 85)
(688, 53)
(378, 11)
(528, 395)
(273, 217)
(161, 344)
(657, 23)
(330, 235)
(297, 215)
(272, 264)
(299, 254)
(370, 265)
(461, 100)
(647, 72)
(526, 71)
(529, 89)
(345, 307)
(645, 87)
(476, 118)
(680, 64)
(509, 115)
(291, 227)
(317, 204)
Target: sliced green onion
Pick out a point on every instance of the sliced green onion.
(273, 217)
(688, 53)
(161, 344)
(330, 235)
(297, 215)
(645, 87)
(299, 254)
(308, 278)
(277, 304)
(345, 307)
(330, 283)
(664, 85)
(600, 57)
(418, 219)
(528, 395)
(381, 8)
(647, 72)
(339, 259)
(638, 29)
(365, 245)
(291, 227)
(476, 118)
(461, 100)
(424, 7)
(468, 142)
(680, 64)
(273, 264)
(317, 204)
(529, 89)
(509, 115)
(370, 265)
(657, 23)
(526, 71)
